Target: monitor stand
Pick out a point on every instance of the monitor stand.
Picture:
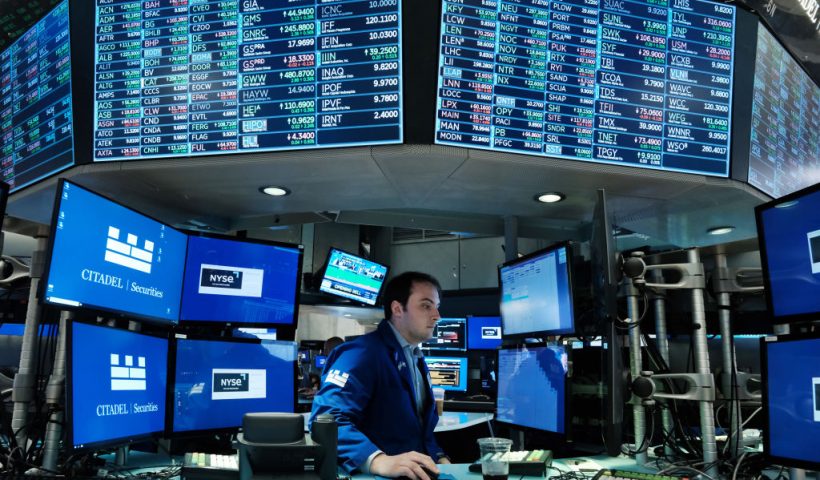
(121, 457)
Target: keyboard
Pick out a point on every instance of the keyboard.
(610, 474)
(523, 462)
(210, 466)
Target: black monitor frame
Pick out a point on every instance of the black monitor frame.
(283, 330)
(570, 287)
(172, 380)
(69, 395)
(86, 308)
(764, 369)
(452, 354)
(323, 271)
(764, 257)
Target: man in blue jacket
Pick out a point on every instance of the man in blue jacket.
(378, 387)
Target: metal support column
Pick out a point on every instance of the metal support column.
(659, 303)
(729, 380)
(635, 367)
(510, 237)
(54, 398)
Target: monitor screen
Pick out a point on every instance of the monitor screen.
(792, 400)
(531, 387)
(449, 334)
(536, 293)
(35, 101)
(239, 281)
(116, 385)
(117, 259)
(260, 333)
(217, 382)
(449, 373)
(642, 84)
(205, 78)
(789, 236)
(785, 136)
(483, 333)
(319, 361)
(353, 277)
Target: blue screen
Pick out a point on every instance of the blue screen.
(218, 382)
(14, 329)
(118, 384)
(794, 399)
(319, 361)
(791, 232)
(353, 277)
(483, 333)
(536, 295)
(114, 259)
(449, 373)
(643, 84)
(240, 282)
(531, 385)
(449, 334)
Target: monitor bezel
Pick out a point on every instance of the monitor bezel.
(463, 321)
(570, 286)
(765, 341)
(451, 354)
(171, 389)
(567, 406)
(90, 308)
(764, 257)
(500, 341)
(234, 324)
(69, 393)
(378, 299)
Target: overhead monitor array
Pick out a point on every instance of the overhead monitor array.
(210, 77)
(639, 84)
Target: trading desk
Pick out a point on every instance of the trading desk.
(448, 422)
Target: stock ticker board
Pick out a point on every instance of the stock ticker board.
(35, 101)
(204, 77)
(645, 84)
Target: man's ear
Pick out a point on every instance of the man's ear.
(396, 308)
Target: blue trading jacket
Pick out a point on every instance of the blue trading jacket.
(367, 387)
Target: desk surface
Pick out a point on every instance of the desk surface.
(457, 420)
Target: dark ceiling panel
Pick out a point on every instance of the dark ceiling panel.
(17, 16)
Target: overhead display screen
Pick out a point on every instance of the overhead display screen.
(785, 143)
(35, 102)
(203, 77)
(643, 84)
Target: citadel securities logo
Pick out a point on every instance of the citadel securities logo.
(127, 254)
(230, 281)
(238, 384)
(126, 374)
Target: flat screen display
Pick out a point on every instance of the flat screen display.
(792, 401)
(449, 373)
(536, 293)
(353, 277)
(785, 136)
(483, 333)
(644, 84)
(230, 280)
(116, 259)
(789, 236)
(35, 102)
(117, 386)
(217, 382)
(319, 362)
(531, 387)
(449, 334)
(211, 77)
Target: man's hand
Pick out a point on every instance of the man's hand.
(413, 465)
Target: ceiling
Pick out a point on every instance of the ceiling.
(412, 186)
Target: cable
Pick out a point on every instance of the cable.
(741, 428)
(737, 467)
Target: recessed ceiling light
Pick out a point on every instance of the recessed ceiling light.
(275, 191)
(787, 204)
(720, 230)
(550, 197)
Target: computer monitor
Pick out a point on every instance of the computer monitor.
(788, 230)
(319, 361)
(449, 334)
(483, 333)
(231, 280)
(255, 332)
(349, 276)
(105, 256)
(115, 386)
(216, 382)
(532, 388)
(791, 400)
(536, 292)
(449, 373)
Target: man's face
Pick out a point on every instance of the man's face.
(417, 321)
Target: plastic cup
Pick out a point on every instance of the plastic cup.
(495, 462)
(438, 396)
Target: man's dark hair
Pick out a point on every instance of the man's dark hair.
(399, 287)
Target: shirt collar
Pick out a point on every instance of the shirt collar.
(402, 341)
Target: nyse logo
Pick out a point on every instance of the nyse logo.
(231, 382)
(814, 250)
(216, 278)
(491, 332)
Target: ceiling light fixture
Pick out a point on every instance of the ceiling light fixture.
(720, 230)
(550, 197)
(275, 191)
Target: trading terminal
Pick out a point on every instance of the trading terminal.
(620, 199)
